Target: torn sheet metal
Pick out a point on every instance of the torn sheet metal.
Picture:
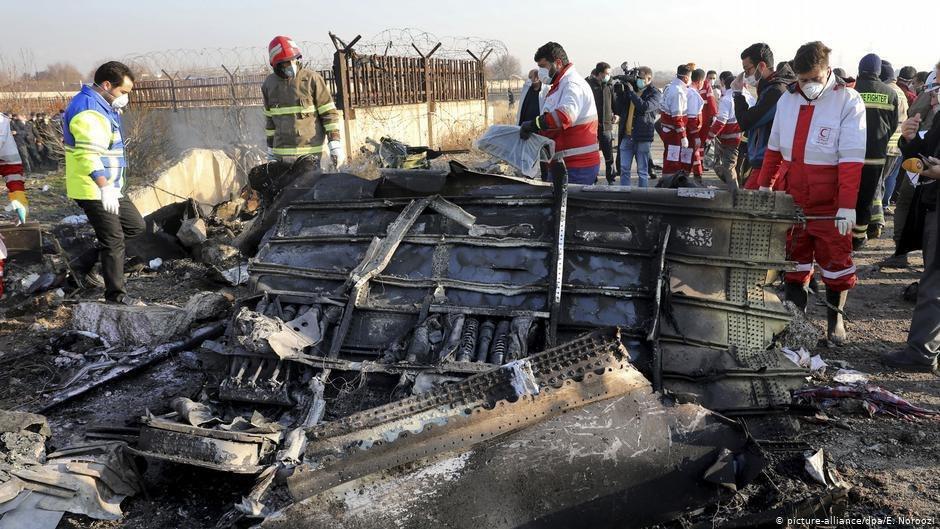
(463, 457)
(228, 451)
(502, 267)
(91, 480)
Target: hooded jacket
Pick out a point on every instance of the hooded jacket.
(756, 121)
(881, 115)
(570, 118)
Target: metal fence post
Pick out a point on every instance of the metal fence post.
(172, 89)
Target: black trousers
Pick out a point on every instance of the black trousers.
(111, 231)
(871, 176)
(605, 139)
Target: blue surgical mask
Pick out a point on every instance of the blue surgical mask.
(641, 83)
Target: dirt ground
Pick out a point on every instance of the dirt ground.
(892, 464)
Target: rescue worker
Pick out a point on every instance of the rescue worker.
(673, 117)
(94, 173)
(725, 133)
(299, 108)
(707, 115)
(881, 108)
(693, 130)
(756, 120)
(11, 169)
(569, 116)
(817, 147)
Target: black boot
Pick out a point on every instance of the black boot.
(835, 327)
(796, 294)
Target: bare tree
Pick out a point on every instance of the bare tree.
(60, 72)
(503, 67)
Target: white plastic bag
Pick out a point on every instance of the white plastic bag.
(503, 142)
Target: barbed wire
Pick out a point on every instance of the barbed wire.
(209, 62)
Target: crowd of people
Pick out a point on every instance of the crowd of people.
(35, 135)
(835, 143)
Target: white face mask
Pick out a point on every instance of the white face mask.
(119, 102)
(607, 78)
(544, 77)
(751, 80)
(813, 90)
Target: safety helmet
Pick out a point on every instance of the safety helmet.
(282, 49)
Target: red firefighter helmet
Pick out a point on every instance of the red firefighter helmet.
(282, 49)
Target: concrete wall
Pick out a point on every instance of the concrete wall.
(454, 125)
(208, 176)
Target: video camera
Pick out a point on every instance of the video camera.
(629, 76)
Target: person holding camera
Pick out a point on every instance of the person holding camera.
(638, 107)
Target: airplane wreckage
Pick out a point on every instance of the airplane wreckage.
(450, 348)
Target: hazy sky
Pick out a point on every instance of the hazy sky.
(660, 34)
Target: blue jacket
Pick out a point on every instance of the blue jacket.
(93, 145)
(645, 112)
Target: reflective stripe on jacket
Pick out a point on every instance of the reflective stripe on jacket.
(881, 109)
(817, 148)
(299, 113)
(674, 109)
(93, 145)
(570, 118)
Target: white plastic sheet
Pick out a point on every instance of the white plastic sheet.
(503, 142)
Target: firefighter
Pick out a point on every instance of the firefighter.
(881, 106)
(11, 169)
(817, 146)
(677, 156)
(569, 116)
(299, 108)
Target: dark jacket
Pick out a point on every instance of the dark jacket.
(531, 106)
(645, 112)
(881, 115)
(604, 99)
(757, 120)
(24, 133)
(925, 196)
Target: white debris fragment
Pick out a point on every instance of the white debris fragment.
(850, 376)
(803, 358)
(815, 466)
(523, 379)
(155, 263)
(237, 275)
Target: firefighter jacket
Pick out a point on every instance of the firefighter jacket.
(817, 148)
(300, 112)
(881, 109)
(570, 118)
(93, 145)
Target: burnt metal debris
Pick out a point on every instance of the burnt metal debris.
(435, 335)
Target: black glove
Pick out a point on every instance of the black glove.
(527, 129)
